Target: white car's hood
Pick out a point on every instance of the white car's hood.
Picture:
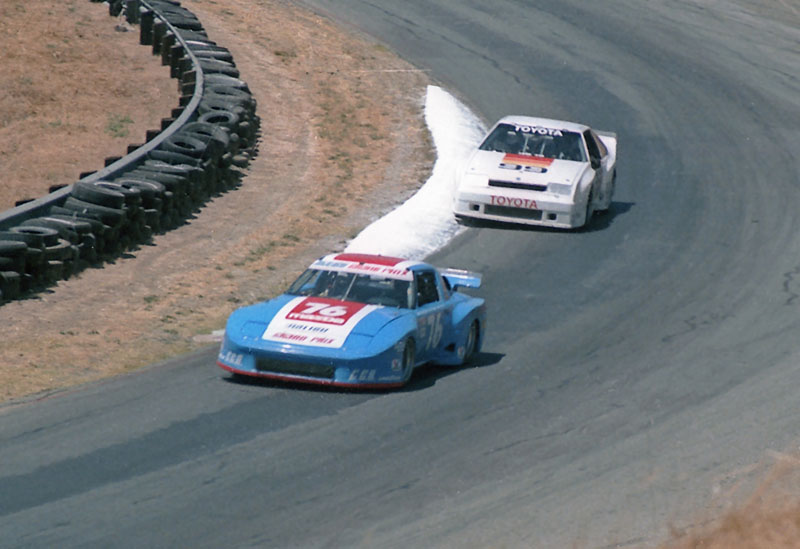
(524, 168)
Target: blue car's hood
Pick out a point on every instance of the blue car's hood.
(308, 321)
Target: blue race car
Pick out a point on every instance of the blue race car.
(358, 320)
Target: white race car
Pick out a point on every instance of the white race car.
(540, 172)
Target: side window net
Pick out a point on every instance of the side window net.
(426, 289)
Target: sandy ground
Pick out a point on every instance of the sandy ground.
(62, 111)
(343, 140)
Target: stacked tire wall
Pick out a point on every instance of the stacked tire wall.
(196, 153)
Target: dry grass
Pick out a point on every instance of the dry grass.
(62, 112)
(343, 138)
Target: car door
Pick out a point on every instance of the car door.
(434, 314)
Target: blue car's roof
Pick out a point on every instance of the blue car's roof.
(390, 267)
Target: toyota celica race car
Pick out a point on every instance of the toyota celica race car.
(539, 171)
(358, 320)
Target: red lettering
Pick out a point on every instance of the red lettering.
(515, 202)
(291, 337)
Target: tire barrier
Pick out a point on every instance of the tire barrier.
(195, 155)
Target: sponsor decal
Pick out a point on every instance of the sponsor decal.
(231, 358)
(397, 271)
(430, 330)
(513, 202)
(512, 161)
(316, 321)
(368, 258)
(538, 129)
(362, 375)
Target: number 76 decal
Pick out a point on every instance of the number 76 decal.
(324, 309)
(431, 330)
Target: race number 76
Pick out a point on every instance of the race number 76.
(434, 330)
(324, 309)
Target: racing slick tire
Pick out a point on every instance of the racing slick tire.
(589, 208)
(612, 186)
(409, 356)
(471, 343)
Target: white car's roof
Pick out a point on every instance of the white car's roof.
(521, 120)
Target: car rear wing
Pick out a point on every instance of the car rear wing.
(609, 139)
(460, 278)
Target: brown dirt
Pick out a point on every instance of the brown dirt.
(769, 518)
(62, 111)
(343, 139)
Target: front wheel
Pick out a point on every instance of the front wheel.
(589, 207)
(409, 356)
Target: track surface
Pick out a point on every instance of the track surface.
(630, 369)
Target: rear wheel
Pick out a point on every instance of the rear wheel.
(609, 195)
(471, 343)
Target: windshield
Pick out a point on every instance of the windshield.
(535, 141)
(361, 288)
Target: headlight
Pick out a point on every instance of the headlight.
(559, 188)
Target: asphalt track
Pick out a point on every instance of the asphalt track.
(633, 372)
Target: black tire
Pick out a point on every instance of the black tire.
(195, 174)
(226, 119)
(233, 95)
(172, 157)
(112, 217)
(151, 192)
(184, 22)
(41, 236)
(213, 104)
(10, 284)
(186, 145)
(98, 228)
(53, 271)
(133, 196)
(74, 224)
(589, 208)
(98, 194)
(60, 251)
(212, 66)
(87, 249)
(219, 54)
(152, 219)
(472, 342)
(216, 138)
(611, 189)
(409, 357)
(12, 248)
(195, 36)
(16, 252)
(225, 80)
(65, 229)
(30, 240)
(34, 258)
